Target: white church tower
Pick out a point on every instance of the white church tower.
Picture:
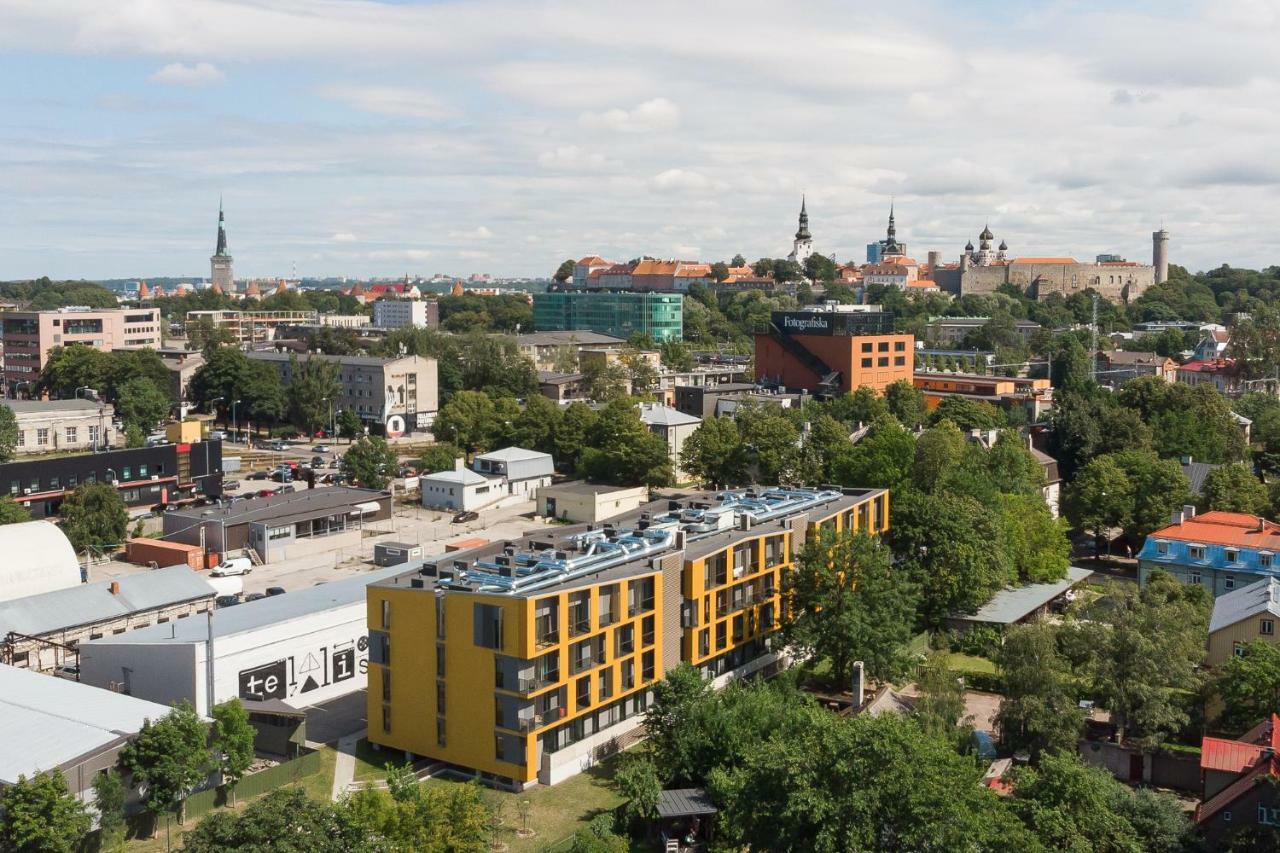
(802, 248)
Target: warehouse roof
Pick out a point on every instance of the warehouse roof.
(301, 504)
(1014, 603)
(27, 407)
(48, 722)
(513, 454)
(350, 360)
(582, 487)
(90, 603)
(39, 559)
(553, 339)
(252, 615)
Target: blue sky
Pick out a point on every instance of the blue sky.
(364, 138)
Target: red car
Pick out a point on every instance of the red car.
(267, 493)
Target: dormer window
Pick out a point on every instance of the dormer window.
(1232, 555)
(1196, 552)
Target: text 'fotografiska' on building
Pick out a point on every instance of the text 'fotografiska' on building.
(526, 661)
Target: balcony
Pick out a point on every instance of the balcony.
(537, 682)
(580, 627)
(550, 638)
(643, 607)
(741, 602)
(537, 721)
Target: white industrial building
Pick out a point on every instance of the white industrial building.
(38, 559)
(498, 478)
(304, 647)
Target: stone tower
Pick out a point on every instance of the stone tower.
(220, 263)
(802, 248)
(1160, 254)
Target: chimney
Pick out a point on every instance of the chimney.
(1188, 511)
(859, 683)
(115, 587)
(459, 464)
(1175, 517)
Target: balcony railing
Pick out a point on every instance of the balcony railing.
(579, 627)
(551, 638)
(607, 618)
(537, 682)
(734, 605)
(643, 607)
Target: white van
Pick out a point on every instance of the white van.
(232, 566)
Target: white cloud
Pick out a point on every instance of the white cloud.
(399, 255)
(386, 100)
(571, 158)
(343, 237)
(195, 75)
(653, 115)
(480, 232)
(680, 179)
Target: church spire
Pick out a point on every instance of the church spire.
(803, 232)
(222, 231)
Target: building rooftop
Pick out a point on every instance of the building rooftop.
(566, 557)
(1224, 528)
(287, 505)
(1196, 473)
(1123, 357)
(352, 360)
(95, 602)
(1013, 603)
(552, 339)
(1257, 598)
(27, 407)
(656, 414)
(49, 721)
(462, 476)
(252, 615)
(512, 454)
(582, 487)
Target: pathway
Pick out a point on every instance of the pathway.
(344, 769)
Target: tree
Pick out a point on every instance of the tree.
(1234, 488)
(969, 414)
(905, 402)
(108, 801)
(141, 404)
(1101, 497)
(938, 451)
(12, 512)
(313, 391)
(1159, 486)
(564, 272)
(494, 364)
(940, 707)
(8, 433)
(637, 780)
(233, 738)
(169, 757)
(769, 439)
(41, 815)
(1248, 685)
(677, 699)
(850, 604)
(70, 367)
(605, 382)
(438, 457)
(719, 270)
(350, 426)
(371, 462)
(622, 452)
(284, 821)
(676, 355)
(94, 517)
(466, 420)
(713, 453)
(884, 458)
(820, 268)
(1069, 367)
(134, 437)
(536, 426)
(944, 542)
(1038, 711)
(576, 422)
(1035, 542)
(1146, 648)
(1070, 806)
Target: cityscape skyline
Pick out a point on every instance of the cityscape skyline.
(374, 139)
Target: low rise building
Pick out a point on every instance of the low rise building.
(581, 502)
(63, 426)
(1119, 366)
(1221, 551)
(28, 336)
(527, 661)
(501, 477)
(1221, 373)
(290, 524)
(618, 313)
(182, 366)
(1242, 616)
(393, 396)
(1018, 604)
(143, 476)
(305, 647)
(38, 559)
(405, 313)
(833, 349)
(522, 471)
(1239, 775)
(1033, 396)
(561, 387)
(674, 427)
(248, 327)
(43, 632)
(56, 724)
(951, 331)
(547, 350)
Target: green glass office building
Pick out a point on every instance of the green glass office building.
(621, 314)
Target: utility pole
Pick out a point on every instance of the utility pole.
(1093, 342)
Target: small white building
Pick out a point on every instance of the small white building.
(304, 648)
(582, 502)
(510, 475)
(399, 313)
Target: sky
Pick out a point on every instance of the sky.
(380, 138)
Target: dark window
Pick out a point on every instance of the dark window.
(883, 361)
(866, 362)
(488, 626)
(899, 360)
(899, 346)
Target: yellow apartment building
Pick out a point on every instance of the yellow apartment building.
(527, 661)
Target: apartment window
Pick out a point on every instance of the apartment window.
(646, 631)
(883, 346)
(126, 473)
(1232, 555)
(439, 617)
(42, 436)
(715, 570)
(899, 346)
(386, 718)
(1162, 548)
(1195, 577)
(546, 621)
(606, 684)
(721, 635)
(584, 691)
(1264, 560)
(624, 641)
(883, 361)
(579, 613)
(608, 596)
(55, 482)
(1196, 552)
(386, 685)
(773, 551)
(386, 614)
(866, 362)
(488, 626)
(744, 559)
(93, 434)
(646, 666)
(628, 674)
(704, 642)
(866, 346)
(1266, 627)
(439, 660)
(142, 470)
(1237, 649)
(71, 435)
(22, 438)
(899, 360)
(640, 596)
(285, 533)
(1229, 582)
(440, 697)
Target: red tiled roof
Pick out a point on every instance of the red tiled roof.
(594, 260)
(652, 267)
(1211, 365)
(1225, 528)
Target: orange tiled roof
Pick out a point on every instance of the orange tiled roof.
(923, 282)
(1225, 528)
(594, 260)
(1044, 261)
(693, 270)
(652, 267)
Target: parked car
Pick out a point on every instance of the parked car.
(335, 463)
(217, 435)
(279, 446)
(67, 670)
(232, 566)
(267, 493)
(227, 485)
(275, 590)
(320, 448)
(317, 461)
(259, 475)
(255, 596)
(464, 517)
(282, 475)
(227, 600)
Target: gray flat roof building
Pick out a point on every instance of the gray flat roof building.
(1013, 604)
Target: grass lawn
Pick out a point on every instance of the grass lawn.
(971, 663)
(318, 785)
(372, 763)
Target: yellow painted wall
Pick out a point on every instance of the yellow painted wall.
(1222, 642)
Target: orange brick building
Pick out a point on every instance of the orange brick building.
(833, 351)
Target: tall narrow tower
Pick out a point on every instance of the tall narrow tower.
(802, 248)
(220, 263)
(1160, 254)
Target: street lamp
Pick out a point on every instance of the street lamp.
(234, 429)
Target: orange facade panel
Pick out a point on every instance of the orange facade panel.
(875, 361)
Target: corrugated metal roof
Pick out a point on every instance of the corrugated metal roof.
(252, 615)
(1230, 756)
(49, 721)
(1260, 597)
(286, 504)
(1013, 603)
(653, 414)
(94, 602)
(1196, 472)
(512, 454)
(685, 802)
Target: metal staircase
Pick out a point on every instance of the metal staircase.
(828, 379)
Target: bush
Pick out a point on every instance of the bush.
(984, 681)
(980, 641)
